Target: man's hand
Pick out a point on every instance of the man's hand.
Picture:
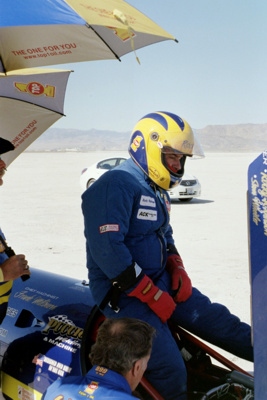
(14, 267)
(159, 301)
(180, 280)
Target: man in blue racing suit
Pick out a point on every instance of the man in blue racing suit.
(119, 358)
(134, 267)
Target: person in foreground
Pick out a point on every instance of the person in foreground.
(134, 266)
(119, 358)
(12, 267)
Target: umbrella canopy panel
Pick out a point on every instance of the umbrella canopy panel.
(38, 33)
(30, 102)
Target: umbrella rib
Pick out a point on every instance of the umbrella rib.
(90, 27)
(34, 104)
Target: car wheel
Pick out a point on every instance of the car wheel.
(90, 182)
(187, 199)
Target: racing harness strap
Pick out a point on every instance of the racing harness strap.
(126, 280)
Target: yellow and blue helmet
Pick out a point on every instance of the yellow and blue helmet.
(153, 136)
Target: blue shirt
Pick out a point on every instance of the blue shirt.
(97, 384)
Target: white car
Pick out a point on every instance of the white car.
(91, 174)
(186, 191)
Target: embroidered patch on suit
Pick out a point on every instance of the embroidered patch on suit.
(151, 215)
(147, 201)
(109, 228)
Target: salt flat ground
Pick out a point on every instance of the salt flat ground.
(41, 217)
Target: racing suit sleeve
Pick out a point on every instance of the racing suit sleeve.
(107, 209)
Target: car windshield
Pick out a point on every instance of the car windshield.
(110, 163)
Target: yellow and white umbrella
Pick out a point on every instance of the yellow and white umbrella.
(31, 100)
(44, 32)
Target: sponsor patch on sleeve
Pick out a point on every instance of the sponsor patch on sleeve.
(109, 228)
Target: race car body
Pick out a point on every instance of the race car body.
(50, 326)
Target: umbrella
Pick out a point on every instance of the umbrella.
(36, 33)
(31, 100)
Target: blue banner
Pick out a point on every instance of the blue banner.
(257, 219)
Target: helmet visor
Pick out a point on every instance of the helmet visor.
(189, 146)
(198, 151)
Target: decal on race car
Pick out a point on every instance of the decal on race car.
(60, 324)
(24, 393)
(15, 389)
(27, 296)
(45, 294)
(54, 366)
(12, 312)
(3, 332)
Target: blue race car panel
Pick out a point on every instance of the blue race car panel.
(41, 335)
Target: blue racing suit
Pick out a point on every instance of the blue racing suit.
(127, 220)
(98, 383)
(5, 287)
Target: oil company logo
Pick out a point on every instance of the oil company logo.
(136, 143)
(36, 89)
(91, 387)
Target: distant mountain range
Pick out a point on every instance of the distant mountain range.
(213, 138)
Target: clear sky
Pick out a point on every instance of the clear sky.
(216, 74)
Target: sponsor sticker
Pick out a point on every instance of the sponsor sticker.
(36, 89)
(109, 228)
(25, 394)
(12, 312)
(154, 172)
(147, 201)
(136, 143)
(3, 332)
(168, 205)
(53, 366)
(91, 387)
(150, 215)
